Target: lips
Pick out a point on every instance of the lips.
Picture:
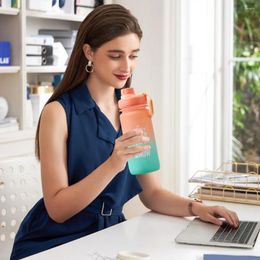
(121, 76)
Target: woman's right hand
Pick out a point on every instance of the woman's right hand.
(126, 147)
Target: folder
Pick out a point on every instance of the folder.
(40, 40)
(39, 60)
(44, 50)
(59, 33)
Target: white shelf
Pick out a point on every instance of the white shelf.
(9, 69)
(18, 135)
(9, 11)
(55, 16)
(46, 69)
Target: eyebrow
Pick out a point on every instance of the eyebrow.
(120, 51)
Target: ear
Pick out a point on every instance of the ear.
(88, 51)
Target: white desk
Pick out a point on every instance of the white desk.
(150, 233)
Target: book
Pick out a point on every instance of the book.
(229, 257)
(44, 50)
(16, 4)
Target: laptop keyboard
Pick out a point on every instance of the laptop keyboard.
(227, 234)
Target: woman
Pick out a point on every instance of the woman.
(83, 154)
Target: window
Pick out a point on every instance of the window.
(246, 81)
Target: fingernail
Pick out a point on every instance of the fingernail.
(146, 139)
(147, 147)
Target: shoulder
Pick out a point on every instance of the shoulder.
(53, 118)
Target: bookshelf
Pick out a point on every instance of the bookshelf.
(10, 69)
(15, 25)
(9, 11)
(46, 69)
(63, 17)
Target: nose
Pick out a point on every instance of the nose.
(125, 65)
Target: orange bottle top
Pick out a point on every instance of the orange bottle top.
(130, 99)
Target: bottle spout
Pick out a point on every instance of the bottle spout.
(127, 91)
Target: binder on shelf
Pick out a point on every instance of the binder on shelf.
(44, 50)
(39, 60)
(59, 33)
(5, 53)
(40, 40)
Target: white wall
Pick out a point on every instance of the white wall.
(150, 76)
(180, 69)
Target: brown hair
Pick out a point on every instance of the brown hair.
(103, 24)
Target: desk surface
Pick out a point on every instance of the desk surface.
(151, 233)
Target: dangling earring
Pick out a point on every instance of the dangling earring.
(89, 67)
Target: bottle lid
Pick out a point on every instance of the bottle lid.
(129, 98)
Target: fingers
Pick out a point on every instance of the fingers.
(214, 220)
(230, 216)
(132, 151)
(130, 134)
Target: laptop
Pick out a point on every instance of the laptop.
(199, 232)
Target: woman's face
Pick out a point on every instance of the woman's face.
(115, 61)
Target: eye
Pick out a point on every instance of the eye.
(132, 57)
(114, 57)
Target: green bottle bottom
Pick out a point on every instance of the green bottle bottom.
(145, 162)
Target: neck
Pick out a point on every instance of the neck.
(102, 94)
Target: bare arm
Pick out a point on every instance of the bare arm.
(63, 201)
(160, 200)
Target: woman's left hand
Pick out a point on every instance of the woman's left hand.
(213, 213)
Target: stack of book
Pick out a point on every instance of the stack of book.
(39, 50)
(8, 124)
(66, 37)
(84, 7)
(233, 181)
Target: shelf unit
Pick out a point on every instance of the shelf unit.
(9, 11)
(54, 16)
(9, 69)
(15, 25)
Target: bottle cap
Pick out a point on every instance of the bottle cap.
(129, 98)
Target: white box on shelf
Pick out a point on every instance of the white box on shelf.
(39, 5)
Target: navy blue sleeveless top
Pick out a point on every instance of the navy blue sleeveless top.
(91, 139)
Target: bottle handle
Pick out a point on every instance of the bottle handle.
(150, 105)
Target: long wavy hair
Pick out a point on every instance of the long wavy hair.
(102, 25)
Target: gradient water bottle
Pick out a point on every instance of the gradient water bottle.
(136, 112)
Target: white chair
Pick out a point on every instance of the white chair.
(20, 188)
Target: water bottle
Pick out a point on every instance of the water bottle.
(136, 112)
